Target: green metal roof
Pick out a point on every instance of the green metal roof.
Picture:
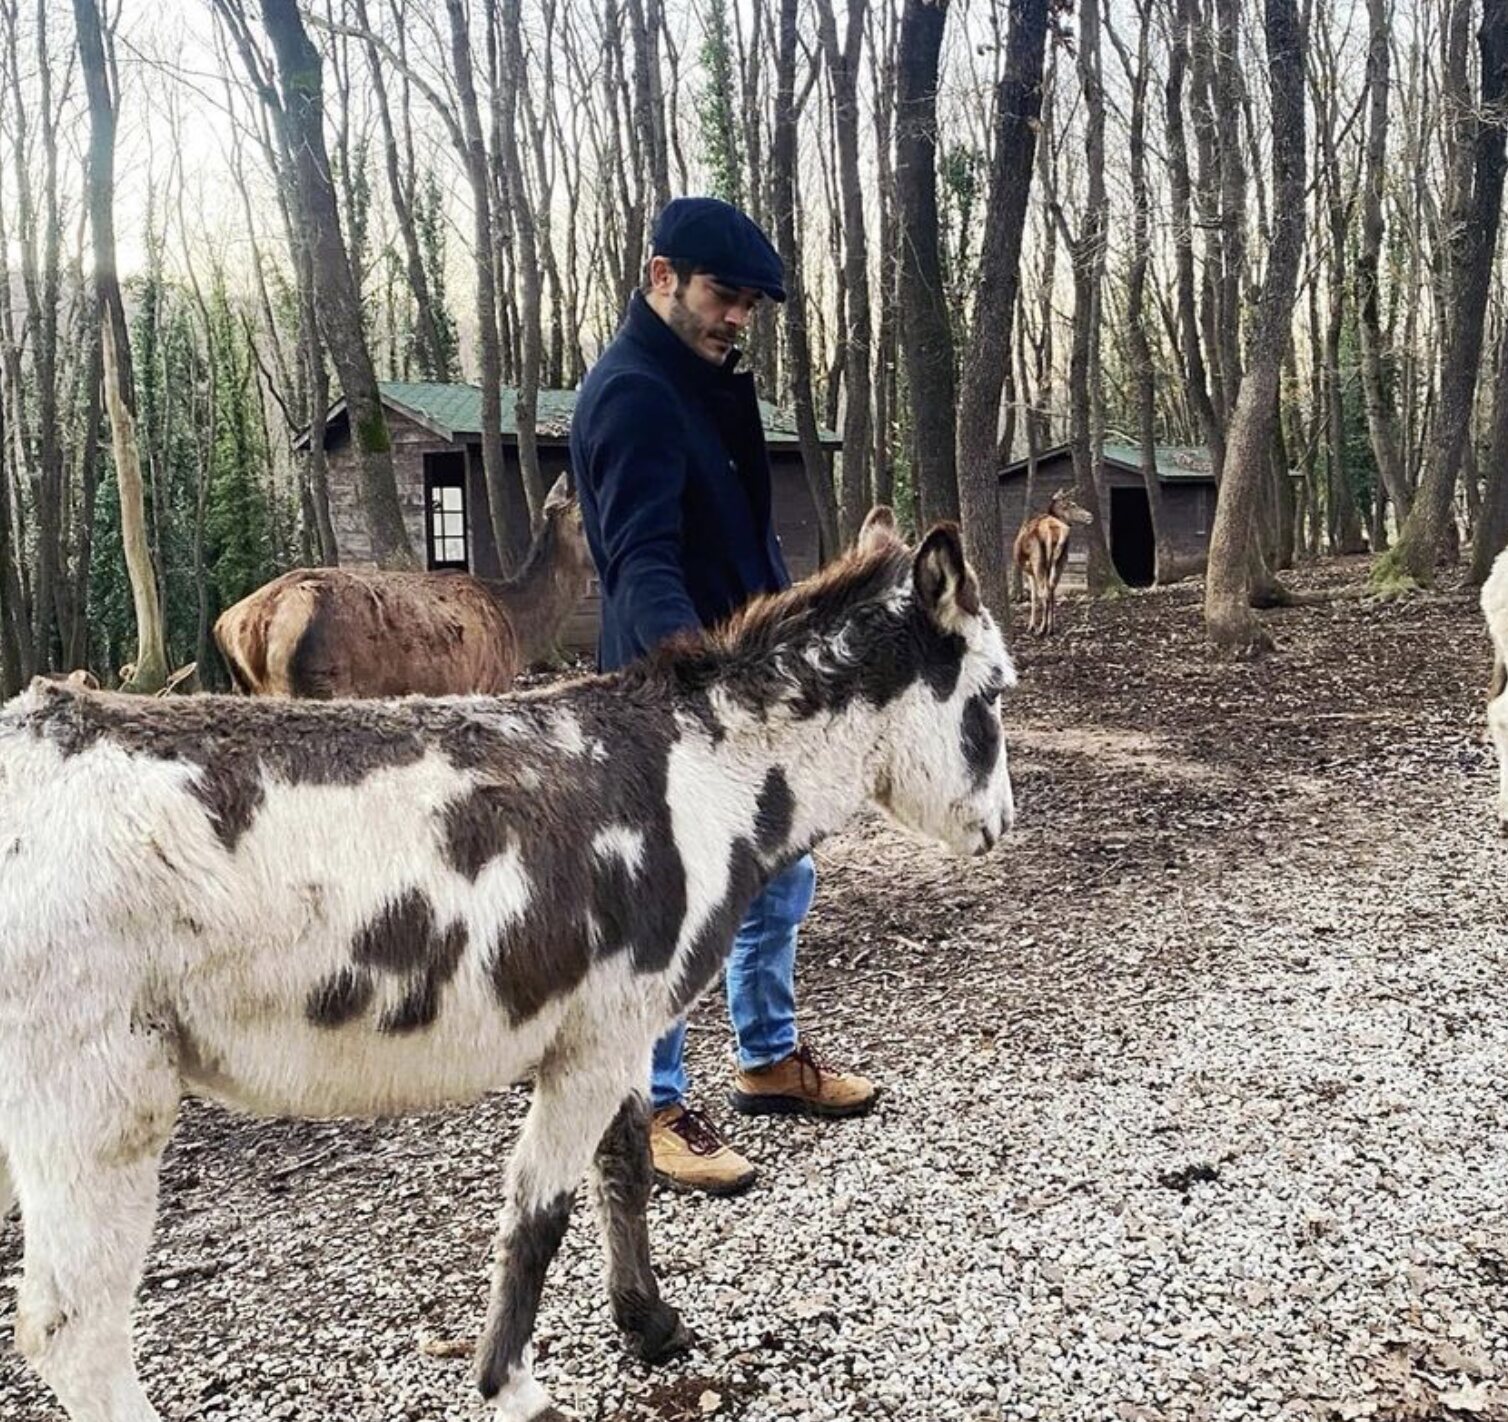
(1174, 463)
(1185, 462)
(454, 411)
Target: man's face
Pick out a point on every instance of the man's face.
(704, 312)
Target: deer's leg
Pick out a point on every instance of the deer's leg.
(622, 1177)
(84, 1149)
(1054, 575)
(576, 1095)
(1497, 725)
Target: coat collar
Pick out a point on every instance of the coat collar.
(644, 327)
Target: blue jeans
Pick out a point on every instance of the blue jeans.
(761, 985)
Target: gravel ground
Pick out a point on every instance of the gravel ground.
(1194, 1099)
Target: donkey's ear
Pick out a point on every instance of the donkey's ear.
(944, 582)
(560, 493)
(879, 530)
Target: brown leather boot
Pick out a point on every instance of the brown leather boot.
(690, 1155)
(801, 1085)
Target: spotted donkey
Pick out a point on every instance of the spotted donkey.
(352, 908)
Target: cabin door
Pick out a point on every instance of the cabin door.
(445, 510)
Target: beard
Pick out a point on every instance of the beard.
(696, 331)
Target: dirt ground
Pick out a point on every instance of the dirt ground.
(1192, 834)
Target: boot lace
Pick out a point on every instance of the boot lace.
(808, 1059)
(697, 1131)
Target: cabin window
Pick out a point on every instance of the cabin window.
(445, 511)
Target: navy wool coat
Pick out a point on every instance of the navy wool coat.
(673, 476)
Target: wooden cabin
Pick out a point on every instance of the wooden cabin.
(1185, 476)
(436, 432)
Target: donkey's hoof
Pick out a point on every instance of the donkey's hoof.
(662, 1335)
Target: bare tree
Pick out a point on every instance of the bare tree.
(506, 505)
(1018, 107)
(39, 229)
(1138, 74)
(299, 75)
(1235, 544)
(644, 24)
(521, 212)
(927, 332)
(788, 109)
(1382, 418)
(882, 70)
(1196, 375)
(120, 396)
(1476, 205)
(430, 347)
(1490, 535)
(843, 68)
(1344, 519)
(1087, 249)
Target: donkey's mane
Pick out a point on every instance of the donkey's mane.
(743, 652)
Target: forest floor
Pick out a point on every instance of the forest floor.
(1196, 1098)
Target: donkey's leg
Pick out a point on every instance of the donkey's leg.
(622, 1177)
(7, 1190)
(575, 1097)
(1497, 725)
(84, 1154)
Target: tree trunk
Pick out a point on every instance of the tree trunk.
(1235, 548)
(883, 81)
(1085, 376)
(76, 638)
(1018, 108)
(1142, 364)
(1382, 419)
(818, 475)
(1229, 96)
(151, 655)
(40, 276)
(507, 508)
(526, 410)
(649, 111)
(1344, 519)
(430, 347)
(926, 332)
(299, 75)
(13, 672)
(843, 69)
(1196, 377)
(1490, 535)
(1472, 241)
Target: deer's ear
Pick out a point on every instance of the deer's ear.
(560, 493)
(945, 584)
(879, 530)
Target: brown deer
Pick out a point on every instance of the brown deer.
(1040, 552)
(339, 632)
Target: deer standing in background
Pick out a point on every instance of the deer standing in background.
(340, 632)
(1040, 551)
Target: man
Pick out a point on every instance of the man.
(667, 445)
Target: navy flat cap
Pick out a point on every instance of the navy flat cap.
(717, 237)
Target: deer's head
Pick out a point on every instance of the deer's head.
(1068, 508)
